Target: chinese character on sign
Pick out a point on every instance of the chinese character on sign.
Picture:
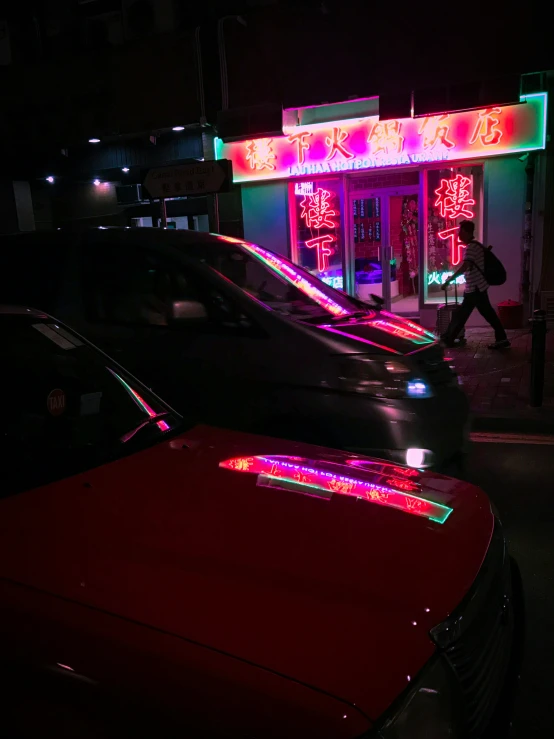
(341, 486)
(299, 140)
(260, 154)
(377, 496)
(166, 188)
(434, 131)
(385, 138)
(456, 246)
(486, 129)
(336, 143)
(242, 464)
(324, 250)
(439, 278)
(317, 211)
(454, 197)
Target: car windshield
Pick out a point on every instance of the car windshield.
(278, 283)
(68, 402)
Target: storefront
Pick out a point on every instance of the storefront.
(372, 207)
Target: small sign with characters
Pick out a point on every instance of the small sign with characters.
(198, 178)
(55, 402)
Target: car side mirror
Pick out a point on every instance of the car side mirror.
(187, 310)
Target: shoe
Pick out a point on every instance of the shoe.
(447, 343)
(504, 344)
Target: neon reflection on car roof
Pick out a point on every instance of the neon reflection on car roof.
(296, 278)
(311, 478)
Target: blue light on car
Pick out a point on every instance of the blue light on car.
(418, 389)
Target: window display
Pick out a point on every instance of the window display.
(316, 228)
(453, 195)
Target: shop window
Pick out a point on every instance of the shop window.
(453, 195)
(317, 243)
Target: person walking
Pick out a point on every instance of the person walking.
(476, 291)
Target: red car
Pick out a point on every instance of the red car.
(237, 585)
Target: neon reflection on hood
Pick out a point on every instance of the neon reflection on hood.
(305, 476)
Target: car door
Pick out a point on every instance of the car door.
(175, 329)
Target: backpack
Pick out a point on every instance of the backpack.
(494, 272)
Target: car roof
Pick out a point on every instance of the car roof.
(143, 234)
(21, 310)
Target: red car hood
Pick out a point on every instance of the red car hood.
(338, 592)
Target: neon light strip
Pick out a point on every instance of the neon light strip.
(162, 425)
(295, 278)
(359, 338)
(305, 473)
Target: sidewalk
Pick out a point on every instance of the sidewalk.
(497, 383)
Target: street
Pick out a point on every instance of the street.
(517, 477)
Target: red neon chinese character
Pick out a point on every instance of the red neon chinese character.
(385, 138)
(402, 484)
(242, 464)
(323, 251)
(377, 495)
(260, 154)
(486, 127)
(341, 486)
(454, 197)
(413, 504)
(434, 130)
(456, 245)
(317, 211)
(299, 140)
(336, 142)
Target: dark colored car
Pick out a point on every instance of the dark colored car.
(235, 335)
(161, 579)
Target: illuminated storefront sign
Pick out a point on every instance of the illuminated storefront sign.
(367, 143)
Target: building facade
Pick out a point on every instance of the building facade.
(372, 206)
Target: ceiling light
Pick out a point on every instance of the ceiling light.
(50, 179)
(178, 128)
(97, 182)
(125, 169)
(94, 141)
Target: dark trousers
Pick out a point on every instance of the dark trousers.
(479, 300)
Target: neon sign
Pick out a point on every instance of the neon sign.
(300, 140)
(335, 142)
(322, 245)
(260, 154)
(454, 197)
(439, 278)
(323, 479)
(435, 131)
(487, 127)
(367, 143)
(296, 278)
(385, 138)
(317, 211)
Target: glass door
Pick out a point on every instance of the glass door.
(371, 250)
(384, 230)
